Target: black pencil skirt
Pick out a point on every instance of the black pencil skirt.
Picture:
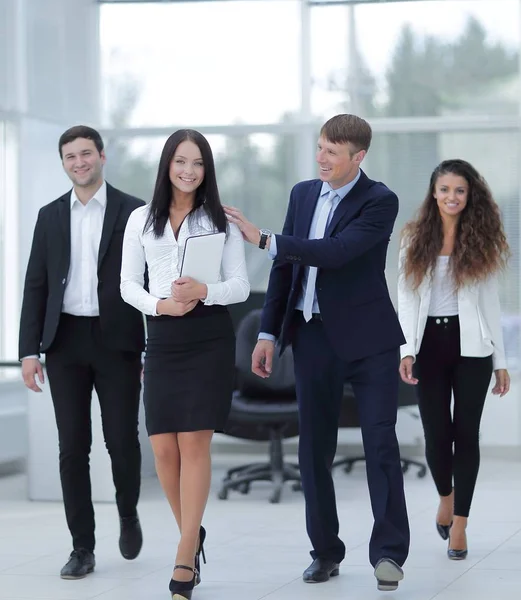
(189, 371)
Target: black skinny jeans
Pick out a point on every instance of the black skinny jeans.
(451, 440)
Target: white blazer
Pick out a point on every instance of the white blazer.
(479, 316)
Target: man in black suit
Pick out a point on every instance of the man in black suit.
(73, 312)
(328, 297)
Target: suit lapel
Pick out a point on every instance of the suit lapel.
(111, 215)
(308, 210)
(64, 218)
(349, 204)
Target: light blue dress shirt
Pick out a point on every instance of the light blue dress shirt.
(272, 252)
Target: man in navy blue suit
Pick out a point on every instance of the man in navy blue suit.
(327, 297)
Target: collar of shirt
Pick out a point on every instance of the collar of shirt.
(344, 190)
(100, 196)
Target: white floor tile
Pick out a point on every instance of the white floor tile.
(257, 550)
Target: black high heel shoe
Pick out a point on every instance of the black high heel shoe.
(200, 551)
(443, 530)
(456, 554)
(182, 590)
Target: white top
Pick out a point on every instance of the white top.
(444, 296)
(164, 257)
(81, 289)
(479, 311)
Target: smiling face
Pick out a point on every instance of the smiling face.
(338, 163)
(187, 168)
(451, 193)
(83, 163)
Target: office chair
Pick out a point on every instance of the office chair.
(262, 409)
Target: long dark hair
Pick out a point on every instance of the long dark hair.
(480, 247)
(206, 195)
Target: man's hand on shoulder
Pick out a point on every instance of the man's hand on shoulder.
(30, 368)
(262, 358)
(250, 232)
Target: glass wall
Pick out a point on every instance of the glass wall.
(215, 63)
(436, 79)
(434, 58)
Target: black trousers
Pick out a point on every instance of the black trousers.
(451, 438)
(320, 376)
(77, 363)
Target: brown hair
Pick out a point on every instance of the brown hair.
(480, 247)
(80, 131)
(344, 129)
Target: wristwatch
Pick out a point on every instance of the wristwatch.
(265, 234)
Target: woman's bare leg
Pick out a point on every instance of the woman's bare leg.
(196, 472)
(168, 467)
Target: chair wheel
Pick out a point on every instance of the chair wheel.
(297, 486)
(405, 467)
(422, 472)
(275, 497)
(223, 494)
(348, 468)
(244, 488)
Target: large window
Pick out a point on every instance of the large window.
(437, 79)
(406, 59)
(210, 63)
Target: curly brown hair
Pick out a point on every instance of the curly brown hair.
(480, 247)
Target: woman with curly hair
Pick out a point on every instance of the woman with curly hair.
(448, 305)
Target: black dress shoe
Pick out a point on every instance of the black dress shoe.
(81, 562)
(443, 530)
(131, 537)
(388, 574)
(320, 570)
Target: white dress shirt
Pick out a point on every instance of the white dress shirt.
(164, 257)
(81, 290)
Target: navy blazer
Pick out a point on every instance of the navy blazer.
(357, 312)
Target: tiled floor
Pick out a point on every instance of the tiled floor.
(257, 550)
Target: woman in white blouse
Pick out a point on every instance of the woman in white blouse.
(190, 357)
(448, 305)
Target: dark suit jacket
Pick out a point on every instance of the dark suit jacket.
(357, 312)
(121, 325)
